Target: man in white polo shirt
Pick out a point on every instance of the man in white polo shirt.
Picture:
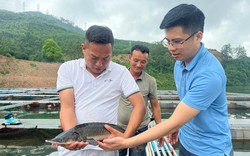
(90, 90)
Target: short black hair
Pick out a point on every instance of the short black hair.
(141, 48)
(188, 16)
(99, 34)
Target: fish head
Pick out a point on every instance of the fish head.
(66, 137)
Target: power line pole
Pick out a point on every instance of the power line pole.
(23, 6)
(38, 7)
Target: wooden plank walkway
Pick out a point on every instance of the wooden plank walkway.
(36, 123)
(240, 129)
(165, 104)
(167, 99)
(23, 103)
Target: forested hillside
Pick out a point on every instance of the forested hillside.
(22, 35)
(30, 35)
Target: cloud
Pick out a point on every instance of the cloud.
(227, 21)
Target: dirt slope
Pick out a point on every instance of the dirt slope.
(16, 73)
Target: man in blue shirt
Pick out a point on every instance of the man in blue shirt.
(201, 118)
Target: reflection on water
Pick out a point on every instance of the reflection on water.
(43, 150)
(25, 146)
(32, 143)
(241, 145)
(238, 114)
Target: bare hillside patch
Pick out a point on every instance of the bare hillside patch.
(16, 73)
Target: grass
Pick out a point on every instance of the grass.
(33, 65)
(4, 72)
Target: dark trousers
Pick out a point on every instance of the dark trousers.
(138, 150)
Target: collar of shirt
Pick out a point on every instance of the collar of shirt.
(108, 69)
(194, 61)
(140, 77)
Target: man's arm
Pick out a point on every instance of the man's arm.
(67, 110)
(156, 110)
(68, 117)
(139, 110)
(182, 114)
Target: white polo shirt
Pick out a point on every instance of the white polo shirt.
(96, 98)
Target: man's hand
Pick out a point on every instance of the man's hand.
(113, 132)
(173, 137)
(112, 144)
(114, 141)
(160, 142)
(73, 146)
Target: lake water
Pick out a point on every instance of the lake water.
(25, 147)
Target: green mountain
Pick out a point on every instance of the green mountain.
(22, 35)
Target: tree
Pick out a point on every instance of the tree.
(52, 52)
(240, 52)
(226, 52)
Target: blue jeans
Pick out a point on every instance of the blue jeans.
(138, 150)
(184, 152)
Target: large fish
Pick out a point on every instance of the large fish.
(87, 132)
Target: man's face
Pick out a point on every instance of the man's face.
(97, 57)
(138, 61)
(185, 51)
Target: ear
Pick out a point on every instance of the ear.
(83, 47)
(129, 57)
(199, 35)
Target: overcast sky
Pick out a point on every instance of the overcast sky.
(227, 21)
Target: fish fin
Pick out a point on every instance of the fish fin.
(92, 142)
(57, 143)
